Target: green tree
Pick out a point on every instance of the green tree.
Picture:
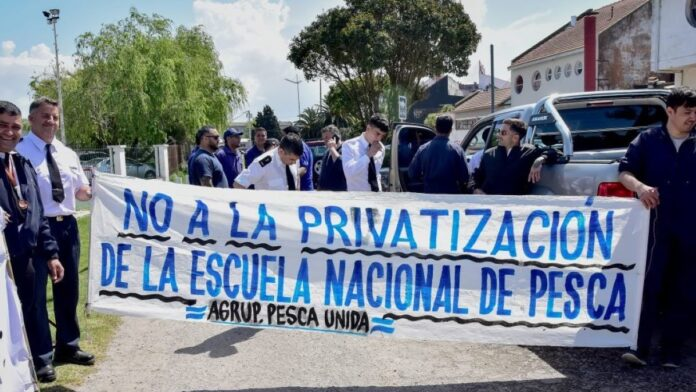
(266, 118)
(430, 118)
(312, 120)
(373, 48)
(140, 81)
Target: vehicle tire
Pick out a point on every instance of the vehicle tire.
(317, 167)
(149, 175)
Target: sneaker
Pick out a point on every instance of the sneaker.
(671, 361)
(633, 358)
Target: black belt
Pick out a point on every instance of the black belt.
(59, 218)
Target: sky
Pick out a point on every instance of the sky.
(252, 39)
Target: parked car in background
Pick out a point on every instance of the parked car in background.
(133, 168)
(318, 150)
(592, 129)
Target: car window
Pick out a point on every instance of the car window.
(478, 141)
(595, 128)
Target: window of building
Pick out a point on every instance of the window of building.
(691, 12)
(568, 70)
(557, 72)
(578, 68)
(519, 84)
(549, 74)
(536, 80)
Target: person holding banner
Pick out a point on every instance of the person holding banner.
(363, 156)
(511, 168)
(440, 163)
(660, 167)
(275, 169)
(31, 246)
(206, 169)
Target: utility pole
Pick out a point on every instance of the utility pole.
(296, 82)
(52, 17)
(492, 85)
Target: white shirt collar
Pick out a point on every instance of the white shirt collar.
(363, 140)
(40, 144)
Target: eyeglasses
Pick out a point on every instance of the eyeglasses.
(216, 137)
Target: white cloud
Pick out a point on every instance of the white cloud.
(248, 37)
(8, 47)
(252, 38)
(476, 9)
(509, 42)
(16, 71)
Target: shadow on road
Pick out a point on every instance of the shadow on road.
(57, 388)
(583, 369)
(221, 345)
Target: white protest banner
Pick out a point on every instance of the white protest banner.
(15, 360)
(518, 270)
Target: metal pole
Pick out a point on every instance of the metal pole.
(58, 84)
(297, 83)
(492, 84)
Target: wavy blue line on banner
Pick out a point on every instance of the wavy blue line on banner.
(190, 316)
(297, 328)
(379, 320)
(381, 328)
(196, 309)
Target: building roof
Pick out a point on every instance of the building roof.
(569, 38)
(479, 100)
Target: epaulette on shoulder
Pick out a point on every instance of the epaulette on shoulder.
(265, 161)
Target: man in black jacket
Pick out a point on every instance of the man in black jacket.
(27, 232)
(511, 168)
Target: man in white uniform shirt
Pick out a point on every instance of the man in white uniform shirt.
(363, 156)
(61, 181)
(275, 169)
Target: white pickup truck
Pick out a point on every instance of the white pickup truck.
(592, 129)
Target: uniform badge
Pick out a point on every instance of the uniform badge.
(265, 161)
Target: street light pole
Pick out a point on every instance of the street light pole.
(297, 82)
(52, 17)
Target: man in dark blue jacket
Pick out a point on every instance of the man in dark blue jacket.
(440, 164)
(27, 232)
(306, 161)
(660, 167)
(332, 177)
(511, 168)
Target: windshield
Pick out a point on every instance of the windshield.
(604, 127)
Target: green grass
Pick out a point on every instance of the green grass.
(96, 329)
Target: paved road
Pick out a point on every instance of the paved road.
(154, 355)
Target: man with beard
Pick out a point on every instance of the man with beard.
(206, 169)
(229, 155)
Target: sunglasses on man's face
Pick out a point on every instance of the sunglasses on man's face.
(216, 137)
(505, 132)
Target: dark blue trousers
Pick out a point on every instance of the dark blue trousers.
(24, 273)
(65, 292)
(669, 293)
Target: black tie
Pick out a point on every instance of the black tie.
(372, 175)
(291, 178)
(54, 174)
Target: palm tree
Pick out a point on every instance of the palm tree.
(312, 120)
